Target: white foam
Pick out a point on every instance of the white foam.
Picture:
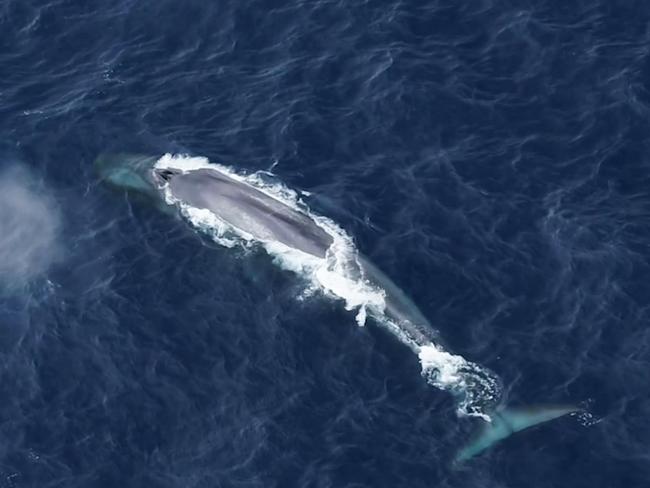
(338, 275)
(446, 365)
(476, 387)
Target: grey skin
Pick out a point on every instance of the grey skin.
(248, 209)
(265, 218)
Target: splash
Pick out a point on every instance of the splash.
(476, 387)
(340, 276)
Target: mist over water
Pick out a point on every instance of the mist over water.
(30, 227)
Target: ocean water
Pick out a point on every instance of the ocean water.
(492, 158)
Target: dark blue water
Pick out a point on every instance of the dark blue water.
(491, 157)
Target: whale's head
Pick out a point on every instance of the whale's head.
(137, 175)
(128, 172)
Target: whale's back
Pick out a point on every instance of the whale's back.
(250, 210)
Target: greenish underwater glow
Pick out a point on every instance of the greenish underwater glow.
(127, 171)
(508, 421)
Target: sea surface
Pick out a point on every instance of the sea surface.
(492, 158)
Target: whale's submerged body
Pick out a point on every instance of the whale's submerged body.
(218, 200)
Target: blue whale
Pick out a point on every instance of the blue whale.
(265, 218)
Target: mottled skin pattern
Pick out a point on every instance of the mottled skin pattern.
(249, 209)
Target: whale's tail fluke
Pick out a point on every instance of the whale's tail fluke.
(507, 421)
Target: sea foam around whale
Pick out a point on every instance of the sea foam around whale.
(338, 275)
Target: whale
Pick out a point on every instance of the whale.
(261, 216)
(191, 187)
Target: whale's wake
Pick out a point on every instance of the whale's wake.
(340, 275)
